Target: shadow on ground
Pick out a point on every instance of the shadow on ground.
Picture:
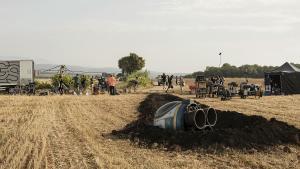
(233, 130)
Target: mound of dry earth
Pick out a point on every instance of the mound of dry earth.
(233, 129)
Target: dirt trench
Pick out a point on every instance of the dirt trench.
(233, 129)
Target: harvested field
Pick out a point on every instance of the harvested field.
(106, 132)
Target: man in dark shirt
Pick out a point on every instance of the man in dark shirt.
(170, 85)
(60, 85)
(76, 83)
(164, 79)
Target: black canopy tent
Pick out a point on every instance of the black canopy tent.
(283, 80)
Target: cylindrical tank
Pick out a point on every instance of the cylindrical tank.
(211, 116)
(170, 115)
(179, 115)
(195, 119)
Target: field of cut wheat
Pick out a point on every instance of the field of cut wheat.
(78, 132)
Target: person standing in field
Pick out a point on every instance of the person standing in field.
(60, 85)
(164, 80)
(181, 84)
(170, 85)
(135, 83)
(92, 85)
(102, 84)
(83, 83)
(111, 80)
(167, 80)
(76, 83)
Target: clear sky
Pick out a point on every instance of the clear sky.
(172, 35)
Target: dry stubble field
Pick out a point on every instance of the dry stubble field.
(74, 132)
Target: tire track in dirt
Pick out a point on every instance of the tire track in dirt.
(68, 148)
(93, 122)
(20, 145)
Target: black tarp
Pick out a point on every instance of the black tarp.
(288, 77)
(290, 83)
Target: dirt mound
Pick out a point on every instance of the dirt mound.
(233, 129)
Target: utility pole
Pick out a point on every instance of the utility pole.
(220, 54)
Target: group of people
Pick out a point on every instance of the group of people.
(97, 84)
(103, 84)
(167, 82)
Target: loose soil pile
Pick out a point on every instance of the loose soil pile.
(233, 129)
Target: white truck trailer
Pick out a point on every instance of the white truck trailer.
(16, 74)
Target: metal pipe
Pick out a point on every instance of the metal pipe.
(211, 116)
(195, 119)
(200, 119)
(192, 107)
(179, 115)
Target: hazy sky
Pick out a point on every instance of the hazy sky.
(172, 35)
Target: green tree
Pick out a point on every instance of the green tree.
(297, 65)
(131, 63)
(42, 85)
(85, 81)
(228, 70)
(143, 78)
(67, 80)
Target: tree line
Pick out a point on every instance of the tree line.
(227, 70)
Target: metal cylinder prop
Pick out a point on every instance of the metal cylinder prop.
(179, 115)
